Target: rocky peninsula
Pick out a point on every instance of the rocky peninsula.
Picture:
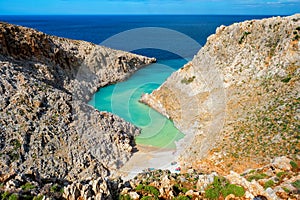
(237, 102)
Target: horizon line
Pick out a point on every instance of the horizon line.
(146, 14)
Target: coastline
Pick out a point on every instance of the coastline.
(148, 157)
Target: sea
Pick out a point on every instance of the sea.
(172, 39)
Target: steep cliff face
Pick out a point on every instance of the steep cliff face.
(238, 99)
(45, 123)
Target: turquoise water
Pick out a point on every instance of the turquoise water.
(122, 100)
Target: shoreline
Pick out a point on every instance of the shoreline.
(148, 157)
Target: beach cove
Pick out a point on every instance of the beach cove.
(157, 142)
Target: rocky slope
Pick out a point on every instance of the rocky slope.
(46, 126)
(238, 100)
(277, 180)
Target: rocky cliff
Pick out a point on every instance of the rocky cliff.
(46, 126)
(238, 100)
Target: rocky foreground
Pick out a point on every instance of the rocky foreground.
(278, 180)
(237, 101)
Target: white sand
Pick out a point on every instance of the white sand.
(148, 157)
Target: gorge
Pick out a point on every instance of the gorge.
(237, 102)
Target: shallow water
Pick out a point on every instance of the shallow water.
(122, 100)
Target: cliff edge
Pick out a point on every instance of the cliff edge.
(238, 100)
(46, 126)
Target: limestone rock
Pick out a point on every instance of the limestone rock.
(134, 195)
(45, 121)
(282, 163)
(234, 97)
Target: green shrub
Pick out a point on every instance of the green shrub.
(5, 195)
(188, 80)
(294, 165)
(56, 188)
(27, 186)
(13, 197)
(184, 190)
(212, 193)
(151, 190)
(297, 37)
(244, 36)
(40, 197)
(286, 190)
(16, 144)
(139, 187)
(238, 191)
(280, 174)
(124, 197)
(286, 80)
(296, 184)
(149, 198)
(269, 183)
(182, 198)
(221, 186)
(256, 177)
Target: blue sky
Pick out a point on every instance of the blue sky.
(33, 7)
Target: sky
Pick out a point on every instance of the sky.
(103, 7)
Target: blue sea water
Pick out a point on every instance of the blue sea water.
(98, 28)
(122, 98)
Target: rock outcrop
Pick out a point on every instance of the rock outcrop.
(45, 122)
(238, 100)
(277, 180)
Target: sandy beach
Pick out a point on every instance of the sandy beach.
(149, 157)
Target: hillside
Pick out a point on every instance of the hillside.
(46, 126)
(238, 100)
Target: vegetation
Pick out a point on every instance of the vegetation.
(256, 177)
(244, 36)
(188, 80)
(124, 197)
(147, 189)
(269, 183)
(294, 165)
(178, 189)
(5, 195)
(286, 190)
(221, 186)
(270, 130)
(40, 197)
(233, 189)
(182, 198)
(27, 186)
(54, 188)
(13, 197)
(286, 80)
(296, 184)
(280, 174)
(148, 198)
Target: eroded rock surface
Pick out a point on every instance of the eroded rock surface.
(238, 99)
(45, 122)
